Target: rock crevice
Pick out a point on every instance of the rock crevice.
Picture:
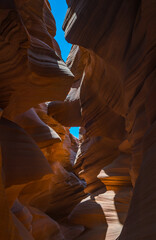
(102, 185)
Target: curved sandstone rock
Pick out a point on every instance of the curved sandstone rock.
(101, 186)
(39, 131)
(32, 71)
(22, 159)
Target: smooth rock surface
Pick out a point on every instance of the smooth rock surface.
(102, 185)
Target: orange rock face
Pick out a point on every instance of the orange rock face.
(102, 185)
(32, 71)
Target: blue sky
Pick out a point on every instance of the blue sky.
(59, 9)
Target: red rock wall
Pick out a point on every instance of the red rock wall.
(37, 152)
(52, 185)
(116, 51)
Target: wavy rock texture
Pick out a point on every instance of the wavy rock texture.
(52, 185)
(34, 179)
(115, 53)
(32, 71)
(104, 212)
(37, 152)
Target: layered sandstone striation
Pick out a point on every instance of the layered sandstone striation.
(32, 71)
(102, 185)
(114, 50)
(38, 183)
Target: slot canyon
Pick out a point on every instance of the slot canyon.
(102, 185)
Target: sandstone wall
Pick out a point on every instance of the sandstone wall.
(114, 44)
(38, 183)
(52, 185)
